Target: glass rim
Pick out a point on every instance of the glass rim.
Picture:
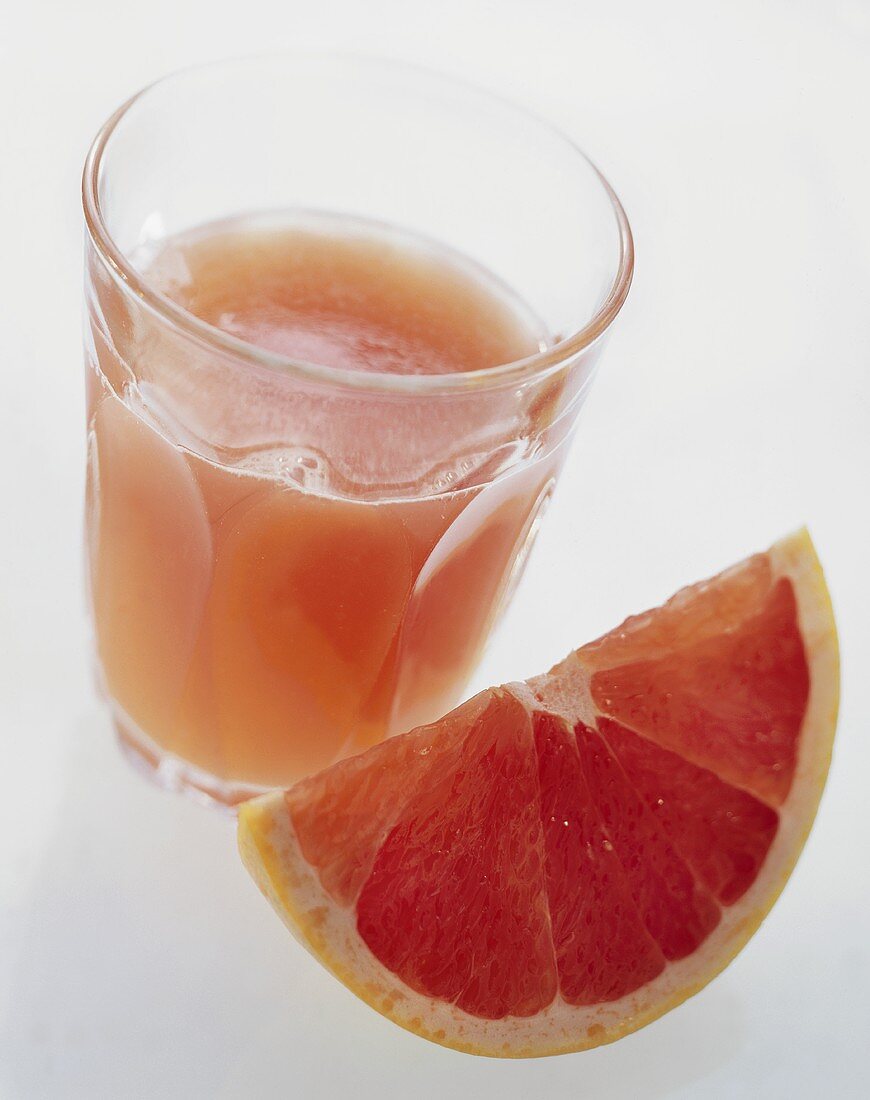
(535, 366)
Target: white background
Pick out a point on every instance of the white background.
(136, 958)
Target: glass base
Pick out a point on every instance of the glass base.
(171, 773)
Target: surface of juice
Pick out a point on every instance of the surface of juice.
(262, 610)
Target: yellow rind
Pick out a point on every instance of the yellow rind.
(270, 851)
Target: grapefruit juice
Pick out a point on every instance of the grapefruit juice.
(268, 600)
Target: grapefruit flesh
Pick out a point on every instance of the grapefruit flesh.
(558, 862)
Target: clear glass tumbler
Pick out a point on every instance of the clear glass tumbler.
(289, 560)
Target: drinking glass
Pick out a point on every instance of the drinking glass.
(288, 560)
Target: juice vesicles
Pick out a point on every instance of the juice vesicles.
(264, 605)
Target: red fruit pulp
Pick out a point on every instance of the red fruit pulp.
(501, 855)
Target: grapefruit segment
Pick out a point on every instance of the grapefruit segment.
(676, 910)
(332, 811)
(723, 832)
(455, 904)
(603, 949)
(557, 863)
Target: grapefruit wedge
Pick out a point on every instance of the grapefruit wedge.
(558, 862)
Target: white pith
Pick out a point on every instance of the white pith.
(271, 851)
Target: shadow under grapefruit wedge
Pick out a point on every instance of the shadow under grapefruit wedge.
(558, 862)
